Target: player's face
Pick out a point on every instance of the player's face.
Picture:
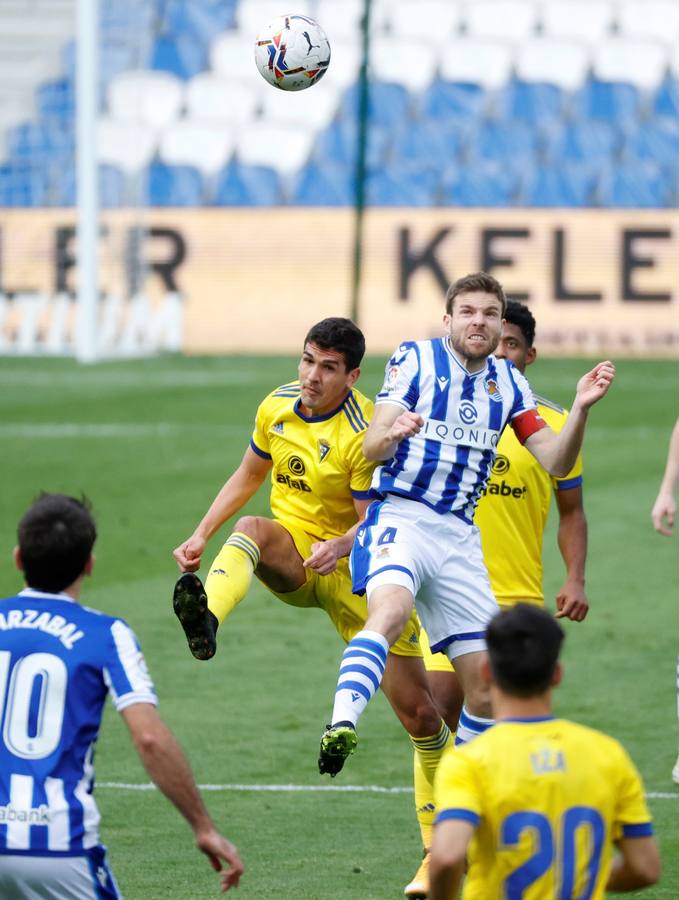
(324, 379)
(514, 346)
(475, 325)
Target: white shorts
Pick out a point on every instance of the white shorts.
(24, 876)
(436, 557)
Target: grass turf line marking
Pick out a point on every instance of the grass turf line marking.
(321, 788)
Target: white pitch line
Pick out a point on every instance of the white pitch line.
(310, 788)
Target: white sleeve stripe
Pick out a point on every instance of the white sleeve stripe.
(126, 700)
(131, 658)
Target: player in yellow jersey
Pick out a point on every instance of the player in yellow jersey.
(512, 515)
(307, 437)
(537, 805)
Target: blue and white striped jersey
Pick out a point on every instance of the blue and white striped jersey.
(448, 463)
(58, 662)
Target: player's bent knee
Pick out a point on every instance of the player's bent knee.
(254, 527)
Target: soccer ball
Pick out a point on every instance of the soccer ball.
(292, 52)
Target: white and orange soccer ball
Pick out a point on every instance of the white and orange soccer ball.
(292, 52)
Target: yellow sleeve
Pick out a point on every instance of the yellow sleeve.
(633, 818)
(456, 787)
(556, 421)
(360, 469)
(259, 442)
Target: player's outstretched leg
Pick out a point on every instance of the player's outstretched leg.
(337, 743)
(200, 625)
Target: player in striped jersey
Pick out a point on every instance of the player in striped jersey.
(437, 422)
(58, 662)
(537, 806)
(307, 439)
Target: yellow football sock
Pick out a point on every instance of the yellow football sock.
(231, 574)
(428, 752)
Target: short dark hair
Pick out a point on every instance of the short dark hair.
(56, 536)
(476, 282)
(341, 335)
(523, 646)
(518, 314)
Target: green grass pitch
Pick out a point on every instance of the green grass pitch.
(150, 442)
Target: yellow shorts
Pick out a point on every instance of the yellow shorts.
(333, 594)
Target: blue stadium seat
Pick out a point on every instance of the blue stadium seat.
(328, 184)
(481, 184)
(402, 186)
(239, 185)
(111, 186)
(173, 185)
(666, 99)
(39, 144)
(388, 104)
(608, 100)
(640, 185)
(657, 140)
(338, 144)
(509, 142)
(201, 19)
(429, 144)
(22, 185)
(183, 56)
(562, 185)
(56, 100)
(584, 141)
(535, 103)
(448, 100)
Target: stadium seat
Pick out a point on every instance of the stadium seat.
(253, 15)
(510, 20)
(534, 103)
(436, 21)
(501, 141)
(402, 186)
(429, 143)
(445, 100)
(562, 185)
(658, 19)
(638, 62)
(180, 55)
(339, 144)
(22, 185)
(211, 97)
(666, 99)
(33, 144)
(657, 141)
(240, 185)
(283, 148)
(232, 56)
(607, 101)
(388, 104)
(564, 63)
(200, 19)
(476, 61)
(345, 64)
(310, 109)
(111, 188)
(584, 141)
(481, 184)
(404, 61)
(585, 20)
(327, 184)
(154, 98)
(128, 146)
(173, 185)
(634, 186)
(341, 21)
(207, 146)
(56, 100)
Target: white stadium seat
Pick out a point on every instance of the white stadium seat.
(657, 19)
(403, 61)
(345, 63)
(642, 63)
(340, 19)
(313, 108)
(232, 56)
(144, 96)
(128, 145)
(283, 148)
(674, 63)
(206, 146)
(511, 20)
(435, 20)
(253, 15)
(586, 20)
(487, 63)
(210, 97)
(548, 60)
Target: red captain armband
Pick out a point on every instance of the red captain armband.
(527, 423)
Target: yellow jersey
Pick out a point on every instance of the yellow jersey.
(548, 798)
(512, 513)
(318, 463)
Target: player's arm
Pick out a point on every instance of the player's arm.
(169, 768)
(389, 425)
(571, 601)
(447, 860)
(557, 453)
(235, 493)
(637, 865)
(324, 554)
(664, 509)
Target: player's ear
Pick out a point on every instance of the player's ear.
(353, 376)
(531, 355)
(89, 565)
(18, 562)
(558, 675)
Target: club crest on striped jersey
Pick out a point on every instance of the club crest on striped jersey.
(323, 450)
(493, 390)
